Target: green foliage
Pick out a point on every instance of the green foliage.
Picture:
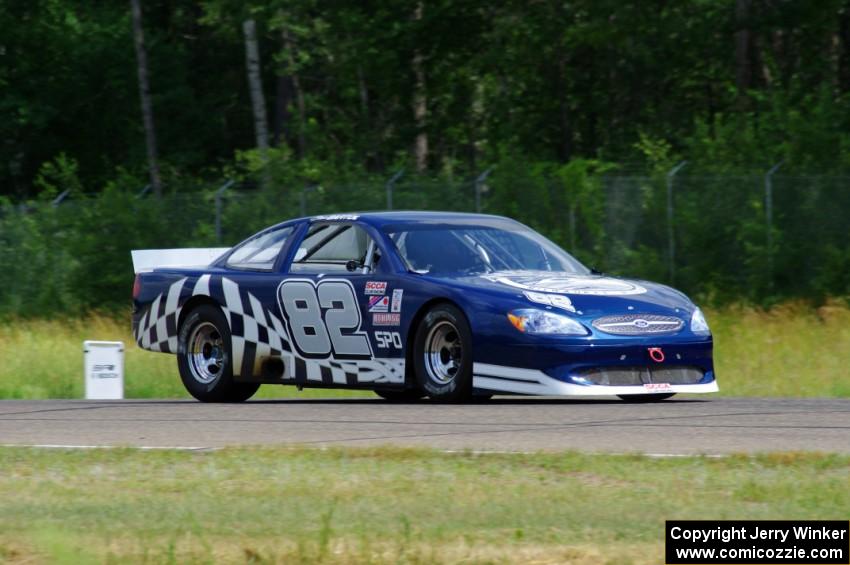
(622, 81)
(550, 94)
(58, 176)
(75, 256)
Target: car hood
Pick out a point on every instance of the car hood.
(588, 295)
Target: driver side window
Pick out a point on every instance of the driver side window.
(330, 247)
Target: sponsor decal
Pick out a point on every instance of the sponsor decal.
(657, 387)
(545, 281)
(390, 319)
(556, 300)
(337, 217)
(375, 288)
(398, 294)
(379, 303)
(388, 340)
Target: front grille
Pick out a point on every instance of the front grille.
(624, 376)
(638, 324)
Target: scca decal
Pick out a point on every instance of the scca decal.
(375, 288)
(323, 320)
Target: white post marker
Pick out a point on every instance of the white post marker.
(104, 369)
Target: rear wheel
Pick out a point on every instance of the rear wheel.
(641, 398)
(204, 358)
(442, 355)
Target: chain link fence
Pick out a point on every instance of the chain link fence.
(718, 237)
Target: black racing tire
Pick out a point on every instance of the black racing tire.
(395, 395)
(645, 398)
(445, 372)
(204, 358)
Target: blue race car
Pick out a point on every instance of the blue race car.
(414, 304)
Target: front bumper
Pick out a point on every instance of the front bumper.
(500, 378)
(589, 369)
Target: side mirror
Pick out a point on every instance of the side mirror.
(352, 265)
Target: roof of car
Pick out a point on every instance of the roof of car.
(380, 219)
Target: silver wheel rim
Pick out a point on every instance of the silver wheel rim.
(206, 354)
(443, 353)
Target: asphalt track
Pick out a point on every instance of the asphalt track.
(674, 427)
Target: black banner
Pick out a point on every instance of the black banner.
(816, 542)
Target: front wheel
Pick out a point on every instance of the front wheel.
(642, 398)
(204, 358)
(442, 355)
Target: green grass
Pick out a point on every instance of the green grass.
(791, 350)
(386, 505)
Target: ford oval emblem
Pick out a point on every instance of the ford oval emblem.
(640, 323)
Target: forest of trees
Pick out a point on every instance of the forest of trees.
(580, 107)
(442, 86)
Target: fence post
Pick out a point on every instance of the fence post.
(572, 228)
(391, 186)
(218, 194)
(671, 244)
(304, 192)
(768, 218)
(61, 198)
(479, 183)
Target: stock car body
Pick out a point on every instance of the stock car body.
(414, 304)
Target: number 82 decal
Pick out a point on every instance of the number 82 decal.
(323, 319)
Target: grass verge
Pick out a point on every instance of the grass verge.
(386, 505)
(44, 359)
(790, 350)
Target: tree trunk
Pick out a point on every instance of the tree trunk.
(743, 44)
(281, 128)
(565, 145)
(363, 90)
(255, 85)
(844, 49)
(301, 106)
(420, 104)
(145, 96)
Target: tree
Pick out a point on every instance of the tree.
(255, 83)
(420, 102)
(145, 97)
(743, 48)
(295, 80)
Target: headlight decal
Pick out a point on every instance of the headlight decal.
(698, 323)
(542, 322)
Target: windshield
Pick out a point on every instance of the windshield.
(467, 250)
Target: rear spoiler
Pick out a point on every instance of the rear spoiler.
(150, 259)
